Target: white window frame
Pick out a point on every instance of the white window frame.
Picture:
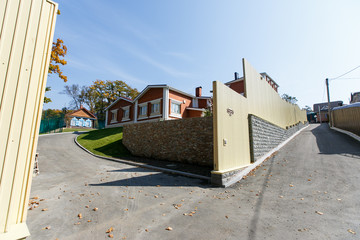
(157, 113)
(142, 105)
(114, 116)
(126, 118)
(175, 114)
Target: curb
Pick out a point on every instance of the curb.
(143, 165)
(51, 134)
(239, 176)
(354, 136)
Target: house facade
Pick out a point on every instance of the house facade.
(156, 103)
(322, 110)
(81, 118)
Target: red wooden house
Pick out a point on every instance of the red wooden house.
(156, 103)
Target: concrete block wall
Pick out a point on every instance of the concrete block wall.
(186, 140)
(265, 136)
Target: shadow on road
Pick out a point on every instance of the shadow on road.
(153, 180)
(332, 142)
(255, 218)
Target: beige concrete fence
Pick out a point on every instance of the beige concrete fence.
(26, 30)
(347, 118)
(231, 111)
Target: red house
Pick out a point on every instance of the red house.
(238, 83)
(156, 103)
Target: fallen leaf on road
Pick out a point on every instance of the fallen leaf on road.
(111, 236)
(309, 180)
(169, 228)
(156, 196)
(95, 209)
(351, 231)
(80, 215)
(44, 209)
(291, 185)
(35, 197)
(78, 223)
(146, 230)
(227, 216)
(87, 206)
(131, 197)
(157, 185)
(301, 198)
(88, 220)
(281, 196)
(339, 199)
(48, 227)
(320, 213)
(126, 209)
(110, 230)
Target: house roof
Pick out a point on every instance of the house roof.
(348, 106)
(82, 112)
(234, 81)
(117, 100)
(161, 86)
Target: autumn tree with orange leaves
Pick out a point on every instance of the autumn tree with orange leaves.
(58, 53)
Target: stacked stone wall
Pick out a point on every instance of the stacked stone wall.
(265, 136)
(185, 140)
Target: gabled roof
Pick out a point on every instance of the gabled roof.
(117, 100)
(80, 113)
(161, 86)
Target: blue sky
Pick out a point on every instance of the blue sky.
(190, 43)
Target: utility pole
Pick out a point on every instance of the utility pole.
(328, 97)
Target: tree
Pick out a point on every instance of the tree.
(289, 98)
(75, 93)
(58, 52)
(307, 108)
(102, 93)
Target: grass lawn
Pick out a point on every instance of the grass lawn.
(104, 142)
(77, 129)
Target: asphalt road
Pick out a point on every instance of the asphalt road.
(309, 190)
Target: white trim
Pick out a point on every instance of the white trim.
(195, 109)
(155, 100)
(176, 101)
(166, 108)
(106, 117)
(175, 115)
(125, 108)
(135, 111)
(142, 117)
(112, 104)
(125, 119)
(118, 124)
(143, 104)
(153, 116)
(114, 112)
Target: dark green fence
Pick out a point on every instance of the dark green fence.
(52, 125)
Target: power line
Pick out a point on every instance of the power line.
(345, 73)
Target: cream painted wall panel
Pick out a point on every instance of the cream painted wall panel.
(8, 30)
(21, 103)
(3, 4)
(43, 49)
(7, 109)
(261, 100)
(26, 39)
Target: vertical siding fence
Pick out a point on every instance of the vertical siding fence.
(347, 118)
(26, 34)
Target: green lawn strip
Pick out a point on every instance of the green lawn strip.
(77, 129)
(104, 142)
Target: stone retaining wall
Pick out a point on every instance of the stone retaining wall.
(265, 136)
(185, 140)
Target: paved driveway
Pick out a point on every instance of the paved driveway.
(309, 190)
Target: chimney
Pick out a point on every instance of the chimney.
(236, 75)
(81, 106)
(198, 91)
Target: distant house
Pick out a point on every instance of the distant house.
(355, 97)
(81, 118)
(322, 110)
(238, 83)
(156, 103)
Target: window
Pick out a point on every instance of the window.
(114, 115)
(143, 110)
(175, 107)
(155, 108)
(126, 113)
